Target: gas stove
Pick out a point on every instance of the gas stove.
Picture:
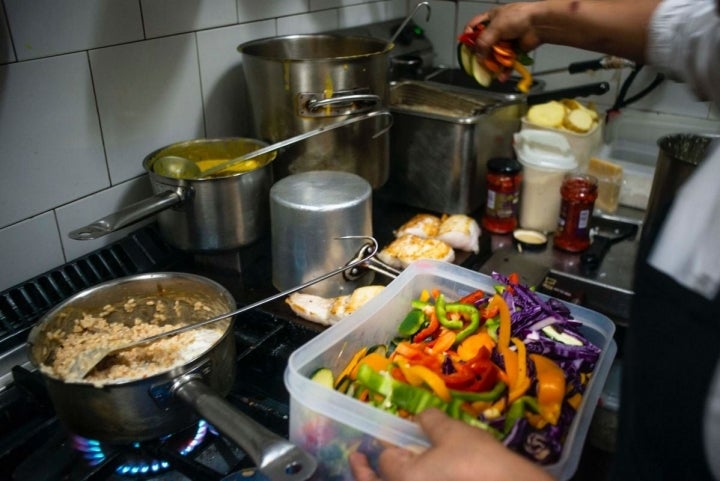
(34, 445)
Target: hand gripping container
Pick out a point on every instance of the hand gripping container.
(330, 424)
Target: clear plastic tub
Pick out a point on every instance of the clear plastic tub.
(330, 424)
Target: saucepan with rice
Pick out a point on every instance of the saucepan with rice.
(158, 388)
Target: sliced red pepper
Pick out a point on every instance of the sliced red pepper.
(462, 379)
(486, 372)
(473, 297)
(428, 331)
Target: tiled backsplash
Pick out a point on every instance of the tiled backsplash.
(90, 87)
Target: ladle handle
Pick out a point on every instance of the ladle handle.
(369, 252)
(276, 457)
(127, 216)
(298, 138)
(409, 17)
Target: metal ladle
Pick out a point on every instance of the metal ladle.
(179, 167)
(87, 360)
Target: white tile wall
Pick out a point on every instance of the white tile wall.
(90, 87)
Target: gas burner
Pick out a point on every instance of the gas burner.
(137, 461)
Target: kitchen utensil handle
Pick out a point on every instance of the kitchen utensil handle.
(276, 457)
(593, 256)
(598, 88)
(603, 63)
(127, 216)
(301, 137)
(410, 17)
(372, 100)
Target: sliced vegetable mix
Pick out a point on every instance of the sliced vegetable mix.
(500, 64)
(508, 362)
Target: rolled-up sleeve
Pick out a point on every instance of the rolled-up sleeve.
(684, 43)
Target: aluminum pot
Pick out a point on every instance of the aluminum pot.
(164, 403)
(217, 213)
(300, 82)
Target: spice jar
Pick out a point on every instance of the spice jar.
(578, 193)
(503, 192)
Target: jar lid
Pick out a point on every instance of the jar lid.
(544, 150)
(504, 165)
(530, 239)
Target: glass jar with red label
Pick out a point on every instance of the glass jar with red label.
(503, 192)
(578, 193)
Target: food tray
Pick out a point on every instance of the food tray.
(329, 424)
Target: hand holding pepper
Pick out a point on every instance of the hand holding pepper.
(507, 23)
(459, 452)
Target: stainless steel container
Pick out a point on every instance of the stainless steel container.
(440, 143)
(298, 83)
(678, 156)
(309, 212)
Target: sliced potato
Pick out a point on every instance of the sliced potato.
(549, 114)
(579, 120)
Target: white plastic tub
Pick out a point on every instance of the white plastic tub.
(329, 424)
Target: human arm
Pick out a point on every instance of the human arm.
(616, 27)
(459, 452)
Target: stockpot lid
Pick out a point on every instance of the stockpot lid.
(544, 150)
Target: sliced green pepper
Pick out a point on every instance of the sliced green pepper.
(412, 323)
(441, 312)
(488, 396)
(517, 411)
(468, 311)
(414, 399)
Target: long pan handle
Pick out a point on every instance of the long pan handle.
(276, 457)
(598, 88)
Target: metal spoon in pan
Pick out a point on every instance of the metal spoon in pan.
(87, 360)
(181, 168)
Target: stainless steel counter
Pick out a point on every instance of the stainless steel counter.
(608, 289)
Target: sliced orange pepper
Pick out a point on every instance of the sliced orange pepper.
(550, 387)
(575, 400)
(445, 341)
(492, 65)
(503, 60)
(504, 49)
(350, 366)
(526, 78)
(504, 329)
(424, 375)
(472, 344)
(375, 360)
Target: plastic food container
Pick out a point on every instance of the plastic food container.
(546, 157)
(583, 145)
(329, 424)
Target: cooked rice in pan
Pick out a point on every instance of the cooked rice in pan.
(92, 331)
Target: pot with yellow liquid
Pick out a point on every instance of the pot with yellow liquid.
(224, 211)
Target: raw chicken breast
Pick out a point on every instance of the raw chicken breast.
(405, 249)
(422, 225)
(461, 232)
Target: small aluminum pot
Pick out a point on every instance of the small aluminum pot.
(168, 402)
(197, 215)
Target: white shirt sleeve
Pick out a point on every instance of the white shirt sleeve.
(684, 43)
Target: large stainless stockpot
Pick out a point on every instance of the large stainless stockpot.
(300, 82)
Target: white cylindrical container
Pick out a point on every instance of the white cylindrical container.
(308, 212)
(546, 158)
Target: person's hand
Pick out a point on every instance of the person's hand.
(459, 452)
(511, 22)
